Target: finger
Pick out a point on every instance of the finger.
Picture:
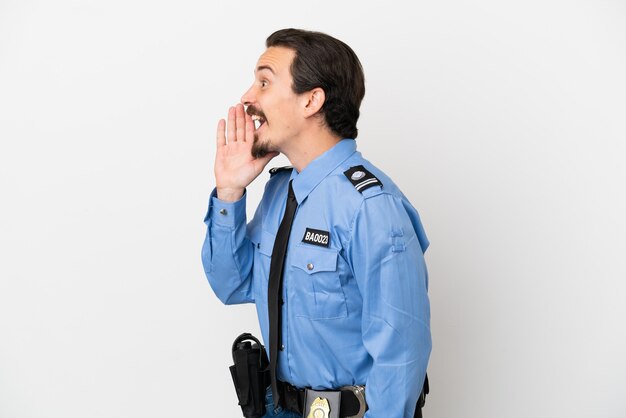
(249, 128)
(241, 123)
(221, 138)
(231, 124)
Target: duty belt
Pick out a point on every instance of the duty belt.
(352, 405)
(352, 399)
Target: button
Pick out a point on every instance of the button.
(223, 212)
(309, 266)
(282, 347)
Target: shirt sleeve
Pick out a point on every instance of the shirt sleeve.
(227, 255)
(388, 263)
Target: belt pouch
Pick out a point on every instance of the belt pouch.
(250, 375)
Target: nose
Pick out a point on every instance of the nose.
(248, 97)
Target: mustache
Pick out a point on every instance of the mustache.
(251, 110)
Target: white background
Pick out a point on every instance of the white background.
(503, 122)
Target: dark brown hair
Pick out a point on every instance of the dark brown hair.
(325, 62)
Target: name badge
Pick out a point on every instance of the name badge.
(316, 237)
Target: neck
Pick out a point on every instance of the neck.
(308, 147)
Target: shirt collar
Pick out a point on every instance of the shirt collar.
(318, 169)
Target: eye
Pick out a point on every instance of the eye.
(264, 83)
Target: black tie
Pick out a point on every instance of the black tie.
(274, 294)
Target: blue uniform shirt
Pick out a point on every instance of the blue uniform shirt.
(356, 309)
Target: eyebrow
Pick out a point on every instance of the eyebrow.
(264, 67)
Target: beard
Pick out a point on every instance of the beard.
(260, 148)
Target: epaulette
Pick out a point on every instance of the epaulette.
(361, 179)
(275, 170)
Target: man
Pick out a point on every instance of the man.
(333, 257)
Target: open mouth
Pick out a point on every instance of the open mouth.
(258, 121)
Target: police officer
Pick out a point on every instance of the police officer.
(352, 300)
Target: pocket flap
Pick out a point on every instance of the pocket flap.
(253, 233)
(262, 240)
(267, 243)
(312, 260)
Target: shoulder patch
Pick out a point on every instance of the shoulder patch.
(279, 169)
(361, 179)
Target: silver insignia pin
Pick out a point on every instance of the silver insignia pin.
(357, 175)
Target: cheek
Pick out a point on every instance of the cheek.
(281, 111)
(288, 114)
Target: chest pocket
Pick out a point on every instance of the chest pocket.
(266, 243)
(316, 283)
(263, 243)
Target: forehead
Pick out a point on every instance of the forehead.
(276, 59)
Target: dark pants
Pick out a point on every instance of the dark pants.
(271, 412)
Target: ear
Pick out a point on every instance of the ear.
(314, 100)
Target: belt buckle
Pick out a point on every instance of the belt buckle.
(359, 392)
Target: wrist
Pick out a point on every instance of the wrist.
(229, 194)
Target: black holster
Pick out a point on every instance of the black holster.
(250, 374)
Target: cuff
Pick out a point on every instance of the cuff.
(229, 214)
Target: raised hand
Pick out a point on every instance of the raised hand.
(235, 167)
